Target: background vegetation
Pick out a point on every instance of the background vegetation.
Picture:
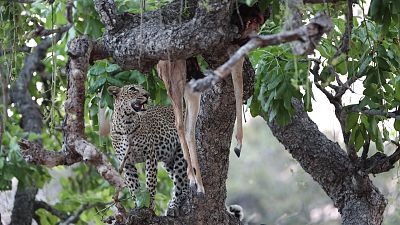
(271, 186)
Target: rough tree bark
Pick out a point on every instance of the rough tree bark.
(31, 121)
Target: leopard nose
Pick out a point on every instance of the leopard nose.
(147, 95)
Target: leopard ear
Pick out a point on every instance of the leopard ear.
(113, 90)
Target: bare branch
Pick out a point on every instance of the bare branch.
(374, 112)
(93, 156)
(18, 49)
(313, 31)
(41, 31)
(34, 153)
(50, 209)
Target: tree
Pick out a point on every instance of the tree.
(125, 39)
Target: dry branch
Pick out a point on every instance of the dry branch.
(375, 112)
(35, 154)
(92, 155)
(311, 32)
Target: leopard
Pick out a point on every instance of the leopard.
(142, 133)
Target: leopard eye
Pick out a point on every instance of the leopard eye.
(132, 88)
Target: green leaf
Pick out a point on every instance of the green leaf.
(351, 121)
(272, 114)
(143, 198)
(397, 125)
(1, 163)
(359, 142)
(97, 84)
(379, 143)
(112, 68)
(137, 77)
(382, 64)
(276, 80)
(375, 9)
(97, 70)
(364, 65)
(124, 75)
(114, 81)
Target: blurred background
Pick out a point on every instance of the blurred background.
(272, 187)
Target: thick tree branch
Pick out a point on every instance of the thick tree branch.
(93, 156)
(31, 115)
(380, 163)
(35, 154)
(329, 165)
(99, 51)
(311, 32)
(140, 41)
(24, 199)
(31, 121)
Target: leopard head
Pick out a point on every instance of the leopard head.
(129, 98)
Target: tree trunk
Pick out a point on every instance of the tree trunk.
(357, 199)
(213, 134)
(24, 200)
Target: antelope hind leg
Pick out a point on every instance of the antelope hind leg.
(174, 76)
(192, 100)
(237, 78)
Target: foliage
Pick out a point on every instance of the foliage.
(374, 59)
(20, 21)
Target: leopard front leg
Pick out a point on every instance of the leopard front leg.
(131, 180)
(151, 175)
(122, 147)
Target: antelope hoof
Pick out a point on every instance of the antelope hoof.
(193, 186)
(201, 195)
(237, 151)
(172, 212)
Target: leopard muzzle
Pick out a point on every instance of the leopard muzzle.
(139, 104)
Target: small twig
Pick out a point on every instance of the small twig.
(344, 48)
(395, 143)
(25, 49)
(374, 112)
(364, 154)
(41, 31)
(50, 209)
(74, 218)
(332, 99)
